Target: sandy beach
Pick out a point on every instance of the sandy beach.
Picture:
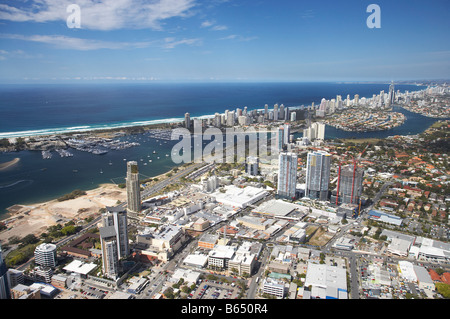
(35, 218)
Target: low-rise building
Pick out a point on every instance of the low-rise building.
(239, 197)
(220, 256)
(21, 291)
(424, 280)
(208, 241)
(274, 287)
(243, 260)
(161, 243)
(327, 282)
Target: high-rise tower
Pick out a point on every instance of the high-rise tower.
(187, 121)
(318, 175)
(349, 183)
(133, 187)
(45, 255)
(391, 93)
(4, 285)
(117, 217)
(110, 255)
(275, 112)
(287, 175)
(252, 166)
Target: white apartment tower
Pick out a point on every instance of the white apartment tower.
(117, 217)
(275, 112)
(110, 255)
(45, 255)
(315, 132)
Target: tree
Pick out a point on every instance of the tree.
(443, 289)
(29, 239)
(168, 293)
(69, 230)
(4, 142)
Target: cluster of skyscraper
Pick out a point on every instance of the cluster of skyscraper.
(244, 117)
(318, 167)
(382, 100)
(114, 230)
(316, 131)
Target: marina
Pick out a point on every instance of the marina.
(64, 153)
(97, 145)
(46, 154)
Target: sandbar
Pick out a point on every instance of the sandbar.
(9, 164)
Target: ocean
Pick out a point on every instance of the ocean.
(43, 109)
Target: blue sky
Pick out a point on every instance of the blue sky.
(223, 40)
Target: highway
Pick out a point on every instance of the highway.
(160, 185)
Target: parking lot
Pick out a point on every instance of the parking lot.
(215, 290)
(94, 292)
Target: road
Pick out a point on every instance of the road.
(252, 289)
(160, 185)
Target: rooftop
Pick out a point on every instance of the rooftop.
(275, 207)
(80, 267)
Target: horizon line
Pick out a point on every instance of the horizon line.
(204, 81)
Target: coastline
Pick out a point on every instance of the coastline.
(112, 124)
(35, 218)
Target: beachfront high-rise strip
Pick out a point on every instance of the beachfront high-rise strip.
(117, 217)
(287, 175)
(318, 175)
(133, 188)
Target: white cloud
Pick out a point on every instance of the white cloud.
(5, 55)
(238, 38)
(170, 43)
(308, 14)
(219, 28)
(71, 43)
(207, 23)
(211, 23)
(102, 14)
(65, 42)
